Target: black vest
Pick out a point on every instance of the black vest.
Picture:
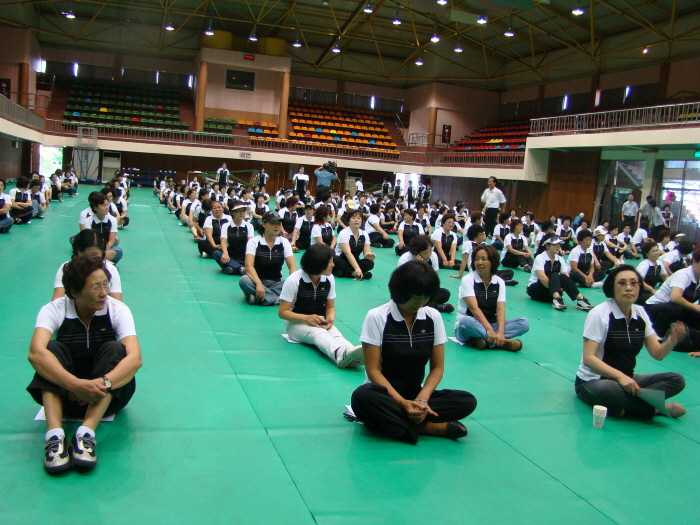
(268, 262)
(289, 220)
(103, 228)
(623, 342)
(237, 238)
(83, 342)
(487, 299)
(447, 241)
(692, 293)
(216, 225)
(653, 276)
(312, 300)
(2, 205)
(327, 234)
(305, 231)
(410, 231)
(356, 246)
(598, 249)
(385, 188)
(405, 354)
(517, 244)
(585, 261)
(552, 267)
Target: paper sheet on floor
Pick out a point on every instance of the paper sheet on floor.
(41, 416)
(348, 409)
(457, 341)
(290, 340)
(655, 398)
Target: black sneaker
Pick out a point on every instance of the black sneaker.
(527, 268)
(377, 245)
(511, 282)
(583, 304)
(82, 451)
(56, 458)
(558, 304)
(446, 308)
(367, 275)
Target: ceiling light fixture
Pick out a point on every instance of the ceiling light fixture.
(435, 38)
(419, 61)
(297, 43)
(578, 10)
(336, 47)
(209, 31)
(459, 49)
(69, 14)
(645, 50)
(397, 20)
(482, 19)
(169, 26)
(368, 8)
(509, 31)
(442, 2)
(253, 37)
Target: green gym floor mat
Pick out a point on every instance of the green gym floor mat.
(230, 423)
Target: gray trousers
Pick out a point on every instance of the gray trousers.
(273, 290)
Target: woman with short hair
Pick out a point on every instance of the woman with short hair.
(399, 339)
(606, 375)
(322, 230)
(481, 313)
(307, 305)
(264, 256)
(353, 243)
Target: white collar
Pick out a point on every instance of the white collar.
(617, 313)
(396, 314)
(307, 278)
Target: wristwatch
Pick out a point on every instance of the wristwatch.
(108, 383)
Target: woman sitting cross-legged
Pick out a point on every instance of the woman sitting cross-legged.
(550, 277)
(651, 270)
(378, 237)
(481, 314)
(516, 252)
(585, 267)
(353, 242)
(322, 230)
(264, 256)
(614, 333)
(399, 338)
(89, 242)
(234, 237)
(421, 249)
(307, 305)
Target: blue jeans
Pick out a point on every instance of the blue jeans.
(118, 256)
(6, 224)
(231, 263)
(467, 327)
(37, 209)
(273, 290)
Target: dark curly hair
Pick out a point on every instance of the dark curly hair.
(78, 269)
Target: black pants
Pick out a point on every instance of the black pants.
(401, 251)
(490, 219)
(455, 267)
(24, 215)
(126, 221)
(506, 275)
(442, 297)
(665, 314)
(205, 246)
(557, 282)
(579, 280)
(106, 358)
(380, 413)
(303, 244)
(320, 190)
(342, 268)
(515, 261)
(376, 238)
(606, 264)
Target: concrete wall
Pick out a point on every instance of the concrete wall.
(684, 75)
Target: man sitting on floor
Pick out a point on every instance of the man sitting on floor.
(88, 371)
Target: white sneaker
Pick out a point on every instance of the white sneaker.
(597, 285)
(349, 357)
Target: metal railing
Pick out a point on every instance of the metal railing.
(672, 115)
(16, 113)
(399, 123)
(34, 100)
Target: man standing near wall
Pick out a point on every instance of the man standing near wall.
(324, 178)
(493, 200)
(630, 213)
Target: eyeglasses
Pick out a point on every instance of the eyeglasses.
(101, 286)
(633, 283)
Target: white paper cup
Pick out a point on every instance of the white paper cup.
(599, 413)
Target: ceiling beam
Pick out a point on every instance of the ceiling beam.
(341, 31)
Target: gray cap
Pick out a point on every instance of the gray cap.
(271, 217)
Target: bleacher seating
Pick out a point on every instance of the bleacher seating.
(338, 127)
(111, 105)
(508, 136)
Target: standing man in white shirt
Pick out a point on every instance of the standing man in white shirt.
(300, 181)
(630, 212)
(359, 187)
(493, 200)
(222, 176)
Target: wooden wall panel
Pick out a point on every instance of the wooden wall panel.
(14, 162)
(469, 190)
(570, 188)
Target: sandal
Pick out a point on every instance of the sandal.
(295, 249)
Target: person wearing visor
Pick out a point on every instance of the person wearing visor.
(550, 277)
(264, 256)
(234, 238)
